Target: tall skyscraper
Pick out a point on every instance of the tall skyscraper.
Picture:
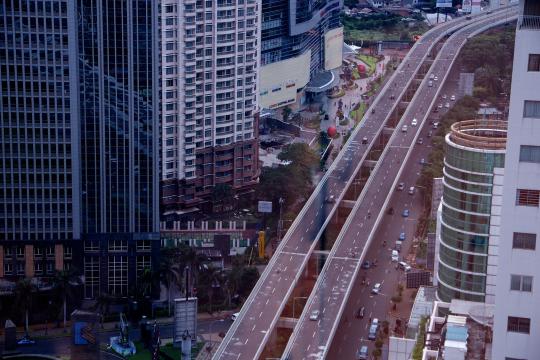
(118, 71)
(473, 149)
(39, 138)
(210, 55)
(517, 315)
(301, 41)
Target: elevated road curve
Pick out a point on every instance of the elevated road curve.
(312, 339)
(252, 328)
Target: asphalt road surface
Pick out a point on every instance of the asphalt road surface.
(248, 335)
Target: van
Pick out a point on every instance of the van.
(362, 353)
(411, 190)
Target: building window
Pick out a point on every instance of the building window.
(531, 109)
(91, 245)
(519, 325)
(144, 245)
(8, 269)
(524, 241)
(38, 268)
(529, 153)
(528, 197)
(521, 283)
(118, 245)
(143, 262)
(118, 275)
(534, 62)
(91, 277)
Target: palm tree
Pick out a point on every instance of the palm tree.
(63, 283)
(172, 276)
(24, 292)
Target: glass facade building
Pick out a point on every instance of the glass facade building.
(117, 47)
(472, 150)
(39, 152)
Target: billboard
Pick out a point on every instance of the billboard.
(185, 319)
(444, 3)
(333, 48)
(467, 6)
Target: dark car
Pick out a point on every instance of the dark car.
(391, 211)
(360, 313)
(366, 265)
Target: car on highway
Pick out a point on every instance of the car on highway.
(401, 186)
(234, 316)
(447, 105)
(429, 134)
(395, 255)
(366, 265)
(401, 236)
(430, 83)
(411, 190)
(372, 335)
(405, 213)
(362, 353)
(436, 78)
(331, 199)
(404, 128)
(414, 122)
(453, 97)
(404, 266)
(364, 140)
(422, 161)
(431, 76)
(360, 313)
(376, 288)
(444, 96)
(420, 141)
(440, 106)
(314, 315)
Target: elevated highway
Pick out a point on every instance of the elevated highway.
(312, 339)
(261, 312)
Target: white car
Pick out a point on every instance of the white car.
(404, 266)
(444, 96)
(395, 255)
(414, 122)
(376, 288)
(447, 105)
(234, 316)
(314, 315)
(404, 128)
(436, 78)
(453, 97)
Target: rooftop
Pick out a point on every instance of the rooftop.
(480, 134)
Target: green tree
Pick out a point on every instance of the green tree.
(64, 282)
(248, 279)
(170, 272)
(24, 294)
(286, 112)
(222, 194)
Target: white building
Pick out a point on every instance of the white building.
(209, 74)
(517, 314)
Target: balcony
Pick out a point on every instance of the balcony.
(528, 22)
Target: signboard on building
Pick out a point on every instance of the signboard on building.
(333, 48)
(444, 3)
(264, 207)
(185, 319)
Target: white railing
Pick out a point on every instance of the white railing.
(528, 22)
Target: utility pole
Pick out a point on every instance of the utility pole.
(280, 222)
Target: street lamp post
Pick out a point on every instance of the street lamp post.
(280, 222)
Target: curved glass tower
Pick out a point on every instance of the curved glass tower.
(473, 149)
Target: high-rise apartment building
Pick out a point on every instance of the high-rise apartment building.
(209, 105)
(39, 138)
(464, 265)
(301, 42)
(119, 100)
(517, 315)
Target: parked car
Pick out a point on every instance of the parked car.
(364, 140)
(376, 288)
(401, 236)
(436, 78)
(372, 335)
(420, 141)
(430, 83)
(411, 190)
(404, 266)
(314, 315)
(405, 213)
(435, 125)
(414, 122)
(444, 96)
(331, 199)
(362, 353)
(234, 316)
(395, 255)
(447, 105)
(422, 161)
(401, 186)
(429, 134)
(366, 265)
(453, 97)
